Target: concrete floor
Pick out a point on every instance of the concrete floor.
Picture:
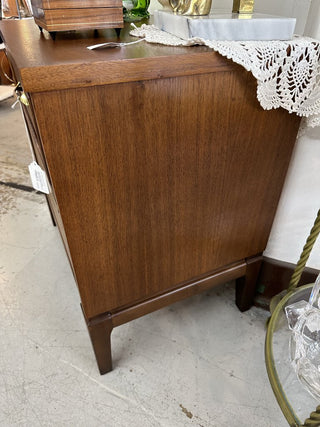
(199, 362)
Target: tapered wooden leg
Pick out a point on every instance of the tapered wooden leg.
(246, 286)
(100, 329)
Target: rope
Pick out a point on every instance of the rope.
(305, 254)
(293, 420)
(274, 380)
(314, 420)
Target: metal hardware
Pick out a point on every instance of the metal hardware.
(21, 96)
(112, 44)
(243, 6)
(192, 7)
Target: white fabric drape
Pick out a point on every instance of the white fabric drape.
(287, 72)
(312, 28)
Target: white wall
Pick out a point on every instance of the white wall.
(290, 8)
(300, 198)
(312, 28)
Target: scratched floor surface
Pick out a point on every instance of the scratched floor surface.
(199, 362)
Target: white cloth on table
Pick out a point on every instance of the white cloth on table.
(287, 72)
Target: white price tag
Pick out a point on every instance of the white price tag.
(38, 178)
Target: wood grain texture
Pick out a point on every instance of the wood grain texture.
(246, 285)
(11, 9)
(38, 153)
(166, 172)
(101, 326)
(62, 15)
(224, 275)
(75, 19)
(42, 64)
(275, 276)
(158, 182)
(100, 334)
(4, 69)
(74, 4)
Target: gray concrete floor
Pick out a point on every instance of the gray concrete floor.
(199, 362)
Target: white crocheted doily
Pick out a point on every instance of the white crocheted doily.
(287, 72)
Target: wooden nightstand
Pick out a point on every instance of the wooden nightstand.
(165, 171)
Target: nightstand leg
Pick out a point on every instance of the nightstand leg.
(100, 329)
(246, 286)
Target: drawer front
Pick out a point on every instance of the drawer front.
(38, 153)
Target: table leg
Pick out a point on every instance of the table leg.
(246, 286)
(100, 329)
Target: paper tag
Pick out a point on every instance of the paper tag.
(38, 178)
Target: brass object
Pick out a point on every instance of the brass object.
(165, 4)
(191, 7)
(21, 96)
(243, 6)
(24, 99)
(202, 7)
(244, 15)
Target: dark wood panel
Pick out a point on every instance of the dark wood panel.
(166, 170)
(174, 187)
(275, 276)
(4, 69)
(35, 141)
(226, 274)
(100, 327)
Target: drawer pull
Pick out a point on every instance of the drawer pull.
(21, 96)
(24, 99)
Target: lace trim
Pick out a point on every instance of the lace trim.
(287, 72)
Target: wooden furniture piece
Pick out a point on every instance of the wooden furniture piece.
(11, 8)
(303, 363)
(62, 15)
(15, 8)
(165, 170)
(4, 69)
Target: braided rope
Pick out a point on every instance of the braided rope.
(314, 420)
(274, 379)
(305, 254)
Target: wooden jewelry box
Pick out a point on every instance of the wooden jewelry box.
(65, 15)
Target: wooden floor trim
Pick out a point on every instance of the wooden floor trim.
(233, 272)
(275, 276)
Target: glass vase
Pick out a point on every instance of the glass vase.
(135, 10)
